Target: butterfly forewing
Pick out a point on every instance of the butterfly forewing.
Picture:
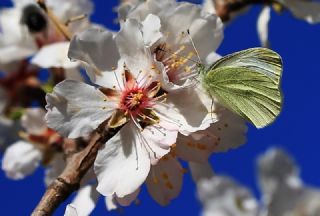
(261, 60)
(247, 82)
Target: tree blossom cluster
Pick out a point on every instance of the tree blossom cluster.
(142, 80)
(283, 191)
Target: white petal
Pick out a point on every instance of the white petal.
(132, 48)
(33, 121)
(151, 29)
(71, 8)
(225, 134)
(164, 182)
(123, 164)
(85, 200)
(263, 25)
(179, 19)
(276, 163)
(110, 203)
(188, 109)
(201, 171)
(230, 131)
(208, 6)
(142, 10)
(127, 200)
(222, 196)
(71, 211)
(73, 74)
(54, 56)
(54, 169)
(20, 160)
(22, 3)
(275, 167)
(158, 139)
(96, 47)
(76, 109)
(15, 41)
(307, 10)
(207, 34)
(212, 58)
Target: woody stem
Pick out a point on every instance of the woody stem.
(78, 163)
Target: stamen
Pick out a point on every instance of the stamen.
(115, 75)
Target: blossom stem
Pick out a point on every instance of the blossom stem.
(61, 27)
(78, 163)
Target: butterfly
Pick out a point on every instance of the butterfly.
(248, 83)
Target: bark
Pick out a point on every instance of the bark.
(78, 163)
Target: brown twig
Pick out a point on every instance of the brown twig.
(225, 8)
(63, 29)
(77, 166)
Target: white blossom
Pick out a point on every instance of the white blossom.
(23, 157)
(284, 193)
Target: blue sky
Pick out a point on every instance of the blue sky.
(296, 130)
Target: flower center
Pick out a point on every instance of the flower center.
(178, 63)
(133, 101)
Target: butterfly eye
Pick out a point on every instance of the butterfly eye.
(34, 19)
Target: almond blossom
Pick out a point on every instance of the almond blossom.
(24, 156)
(308, 10)
(171, 30)
(283, 192)
(132, 94)
(15, 45)
(49, 46)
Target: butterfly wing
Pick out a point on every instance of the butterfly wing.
(261, 60)
(247, 82)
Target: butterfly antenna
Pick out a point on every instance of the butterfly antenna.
(193, 45)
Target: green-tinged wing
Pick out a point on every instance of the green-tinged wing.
(261, 60)
(247, 83)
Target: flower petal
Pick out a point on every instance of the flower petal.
(123, 164)
(127, 200)
(93, 47)
(222, 196)
(307, 10)
(20, 159)
(201, 171)
(54, 169)
(275, 167)
(131, 43)
(225, 134)
(71, 211)
(189, 113)
(33, 121)
(85, 200)
(263, 25)
(158, 138)
(15, 42)
(76, 109)
(54, 56)
(207, 34)
(164, 182)
(151, 27)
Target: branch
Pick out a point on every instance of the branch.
(225, 8)
(77, 166)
